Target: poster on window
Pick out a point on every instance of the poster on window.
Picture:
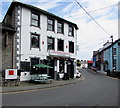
(11, 74)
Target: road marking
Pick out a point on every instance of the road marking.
(34, 90)
(16, 92)
(24, 91)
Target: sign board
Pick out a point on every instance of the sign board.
(11, 74)
(59, 53)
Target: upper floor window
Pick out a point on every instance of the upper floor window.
(119, 44)
(60, 45)
(35, 41)
(114, 51)
(71, 47)
(50, 24)
(71, 31)
(5, 42)
(35, 20)
(50, 43)
(60, 27)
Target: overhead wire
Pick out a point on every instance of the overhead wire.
(92, 18)
(93, 10)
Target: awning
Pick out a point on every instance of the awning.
(43, 66)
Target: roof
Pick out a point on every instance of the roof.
(5, 26)
(13, 4)
(107, 47)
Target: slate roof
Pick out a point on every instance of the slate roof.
(7, 27)
(16, 3)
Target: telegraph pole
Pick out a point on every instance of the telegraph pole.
(112, 55)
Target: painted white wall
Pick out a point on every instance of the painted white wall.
(26, 29)
(25, 76)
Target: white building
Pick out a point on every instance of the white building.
(41, 37)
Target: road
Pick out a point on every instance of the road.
(94, 90)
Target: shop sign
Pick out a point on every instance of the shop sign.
(11, 74)
(59, 53)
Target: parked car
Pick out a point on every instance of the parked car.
(83, 67)
(77, 74)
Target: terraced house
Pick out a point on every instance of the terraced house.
(41, 37)
(108, 58)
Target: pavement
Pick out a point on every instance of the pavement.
(24, 86)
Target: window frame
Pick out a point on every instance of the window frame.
(38, 41)
(31, 67)
(6, 41)
(71, 51)
(119, 44)
(52, 25)
(71, 31)
(53, 43)
(62, 27)
(115, 63)
(58, 45)
(114, 51)
(33, 19)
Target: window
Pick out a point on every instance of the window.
(71, 31)
(34, 41)
(50, 43)
(114, 62)
(118, 44)
(50, 25)
(61, 66)
(60, 45)
(25, 66)
(34, 61)
(71, 47)
(6, 41)
(114, 51)
(60, 27)
(35, 20)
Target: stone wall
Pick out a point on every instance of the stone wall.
(0, 50)
(7, 52)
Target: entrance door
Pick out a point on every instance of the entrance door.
(34, 61)
(70, 70)
(51, 70)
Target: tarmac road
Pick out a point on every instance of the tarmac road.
(94, 90)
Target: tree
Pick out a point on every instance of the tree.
(78, 63)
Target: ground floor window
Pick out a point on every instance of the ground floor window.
(25, 66)
(61, 66)
(114, 62)
(34, 61)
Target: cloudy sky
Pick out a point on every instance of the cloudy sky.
(90, 36)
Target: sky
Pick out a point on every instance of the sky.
(90, 37)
